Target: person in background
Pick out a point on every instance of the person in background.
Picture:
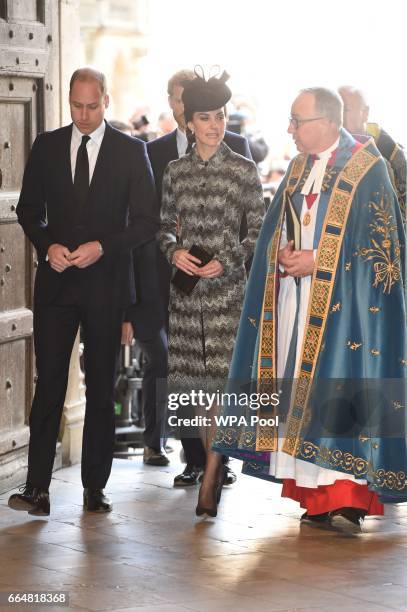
(121, 126)
(144, 322)
(356, 121)
(166, 123)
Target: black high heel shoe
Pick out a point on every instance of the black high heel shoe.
(212, 510)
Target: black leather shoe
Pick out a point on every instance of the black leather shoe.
(151, 456)
(350, 519)
(33, 500)
(315, 518)
(94, 500)
(189, 476)
(230, 476)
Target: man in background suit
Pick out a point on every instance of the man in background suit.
(356, 120)
(161, 151)
(88, 198)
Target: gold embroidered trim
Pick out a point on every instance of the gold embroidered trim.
(356, 465)
(322, 287)
(266, 438)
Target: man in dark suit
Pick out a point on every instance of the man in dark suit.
(161, 151)
(88, 198)
(145, 321)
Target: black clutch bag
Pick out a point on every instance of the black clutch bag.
(184, 282)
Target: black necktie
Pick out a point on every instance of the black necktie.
(189, 147)
(81, 180)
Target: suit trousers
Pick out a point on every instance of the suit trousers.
(55, 328)
(154, 388)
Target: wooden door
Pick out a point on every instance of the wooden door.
(29, 103)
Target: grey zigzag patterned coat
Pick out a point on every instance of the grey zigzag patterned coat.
(206, 201)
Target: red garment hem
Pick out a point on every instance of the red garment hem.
(340, 494)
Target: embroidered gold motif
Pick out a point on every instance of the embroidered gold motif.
(336, 307)
(348, 266)
(374, 309)
(363, 439)
(339, 208)
(301, 387)
(253, 322)
(330, 174)
(354, 345)
(307, 219)
(319, 298)
(396, 481)
(310, 347)
(390, 480)
(375, 352)
(328, 253)
(397, 405)
(386, 266)
(403, 361)
(354, 171)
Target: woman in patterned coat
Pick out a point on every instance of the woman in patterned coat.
(205, 194)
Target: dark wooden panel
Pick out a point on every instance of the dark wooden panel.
(26, 10)
(13, 141)
(16, 324)
(3, 9)
(13, 272)
(12, 384)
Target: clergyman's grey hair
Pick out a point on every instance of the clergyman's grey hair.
(328, 103)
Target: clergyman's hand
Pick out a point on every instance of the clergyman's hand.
(300, 263)
(86, 254)
(284, 254)
(59, 257)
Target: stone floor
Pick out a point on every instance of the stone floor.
(152, 555)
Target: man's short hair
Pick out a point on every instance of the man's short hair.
(328, 103)
(89, 74)
(177, 79)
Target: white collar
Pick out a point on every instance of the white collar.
(96, 136)
(181, 133)
(327, 153)
(313, 184)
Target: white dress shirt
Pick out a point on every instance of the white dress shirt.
(92, 147)
(182, 142)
